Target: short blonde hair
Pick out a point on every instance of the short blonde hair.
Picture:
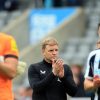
(49, 41)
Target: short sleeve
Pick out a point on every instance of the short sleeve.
(11, 47)
(90, 66)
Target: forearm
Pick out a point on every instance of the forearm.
(70, 86)
(8, 69)
(88, 85)
(39, 85)
(67, 80)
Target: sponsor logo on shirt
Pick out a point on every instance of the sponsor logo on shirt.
(42, 72)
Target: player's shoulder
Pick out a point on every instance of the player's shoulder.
(94, 52)
(6, 36)
(66, 66)
(35, 65)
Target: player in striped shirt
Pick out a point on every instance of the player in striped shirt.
(92, 75)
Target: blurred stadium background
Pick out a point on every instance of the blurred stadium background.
(77, 33)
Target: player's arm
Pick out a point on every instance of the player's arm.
(9, 67)
(89, 85)
(89, 74)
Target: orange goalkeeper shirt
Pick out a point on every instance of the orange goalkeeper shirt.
(8, 48)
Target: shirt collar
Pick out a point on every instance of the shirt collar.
(46, 63)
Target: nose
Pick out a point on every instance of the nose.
(54, 52)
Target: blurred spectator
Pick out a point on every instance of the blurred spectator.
(52, 3)
(57, 4)
(9, 5)
(38, 3)
(28, 95)
(78, 76)
(75, 2)
(21, 93)
(24, 93)
(2, 2)
(62, 3)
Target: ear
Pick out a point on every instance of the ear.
(42, 50)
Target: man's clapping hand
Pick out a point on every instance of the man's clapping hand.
(57, 67)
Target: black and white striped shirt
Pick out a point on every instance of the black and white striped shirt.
(93, 67)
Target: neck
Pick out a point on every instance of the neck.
(48, 60)
(98, 46)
